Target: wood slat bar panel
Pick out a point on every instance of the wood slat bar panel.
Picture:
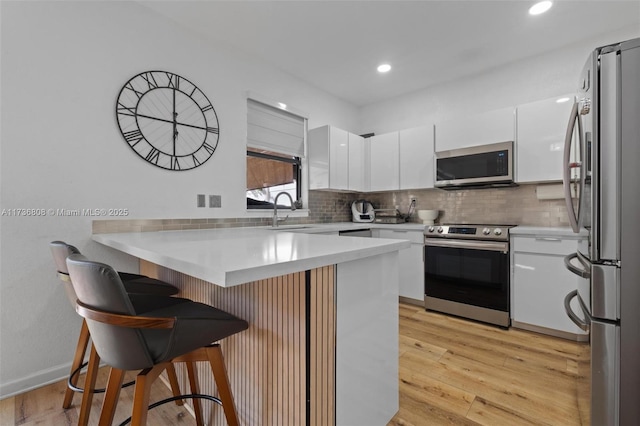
(323, 343)
(267, 362)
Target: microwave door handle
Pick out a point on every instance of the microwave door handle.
(584, 325)
(582, 273)
(568, 166)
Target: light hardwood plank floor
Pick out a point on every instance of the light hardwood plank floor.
(459, 372)
(452, 372)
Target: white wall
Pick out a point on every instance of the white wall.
(537, 78)
(63, 65)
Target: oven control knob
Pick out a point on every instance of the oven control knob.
(440, 229)
(431, 229)
(486, 231)
(497, 231)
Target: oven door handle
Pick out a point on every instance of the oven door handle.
(471, 245)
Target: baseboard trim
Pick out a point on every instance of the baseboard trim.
(410, 301)
(551, 332)
(34, 381)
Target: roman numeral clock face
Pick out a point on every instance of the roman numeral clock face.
(167, 120)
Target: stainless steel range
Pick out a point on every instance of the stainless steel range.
(466, 271)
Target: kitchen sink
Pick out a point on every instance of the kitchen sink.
(289, 227)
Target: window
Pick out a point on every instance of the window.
(275, 151)
(268, 174)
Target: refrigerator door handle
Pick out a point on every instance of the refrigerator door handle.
(584, 325)
(568, 166)
(581, 272)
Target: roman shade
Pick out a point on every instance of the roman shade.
(272, 129)
(265, 173)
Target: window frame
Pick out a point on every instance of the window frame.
(303, 175)
(295, 161)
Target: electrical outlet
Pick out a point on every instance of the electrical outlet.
(215, 201)
(200, 202)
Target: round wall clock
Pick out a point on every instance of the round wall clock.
(167, 120)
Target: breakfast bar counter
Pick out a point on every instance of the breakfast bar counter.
(322, 343)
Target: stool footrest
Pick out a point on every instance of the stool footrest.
(175, 398)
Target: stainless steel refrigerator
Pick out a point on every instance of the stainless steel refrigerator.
(602, 190)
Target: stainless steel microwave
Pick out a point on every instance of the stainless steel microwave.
(477, 166)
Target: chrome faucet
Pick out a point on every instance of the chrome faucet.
(275, 208)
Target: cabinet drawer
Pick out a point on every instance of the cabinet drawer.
(413, 236)
(544, 245)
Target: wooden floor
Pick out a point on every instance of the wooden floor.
(458, 372)
(452, 372)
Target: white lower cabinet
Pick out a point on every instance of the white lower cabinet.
(411, 263)
(540, 282)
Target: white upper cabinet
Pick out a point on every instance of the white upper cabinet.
(479, 129)
(328, 149)
(416, 158)
(540, 139)
(357, 163)
(338, 159)
(384, 162)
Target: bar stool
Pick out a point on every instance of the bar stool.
(126, 340)
(145, 293)
(133, 283)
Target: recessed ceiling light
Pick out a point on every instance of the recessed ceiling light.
(540, 7)
(384, 68)
(562, 100)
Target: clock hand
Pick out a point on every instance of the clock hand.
(175, 126)
(193, 126)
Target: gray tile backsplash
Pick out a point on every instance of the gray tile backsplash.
(504, 206)
(516, 205)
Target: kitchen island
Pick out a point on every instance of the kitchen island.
(322, 343)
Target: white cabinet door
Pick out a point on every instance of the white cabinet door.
(384, 162)
(318, 150)
(540, 139)
(479, 129)
(338, 159)
(356, 163)
(328, 149)
(540, 282)
(416, 158)
(411, 263)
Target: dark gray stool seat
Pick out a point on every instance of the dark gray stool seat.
(134, 283)
(125, 339)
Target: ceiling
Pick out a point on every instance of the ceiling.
(337, 45)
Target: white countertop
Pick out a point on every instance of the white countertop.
(348, 226)
(547, 231)
(234, 256)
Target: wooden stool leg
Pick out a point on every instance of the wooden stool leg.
(195, 389)
(214, 353)
(81, 349)
(144, 380)
(89, 386)
(116, 377)
(173, 381)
